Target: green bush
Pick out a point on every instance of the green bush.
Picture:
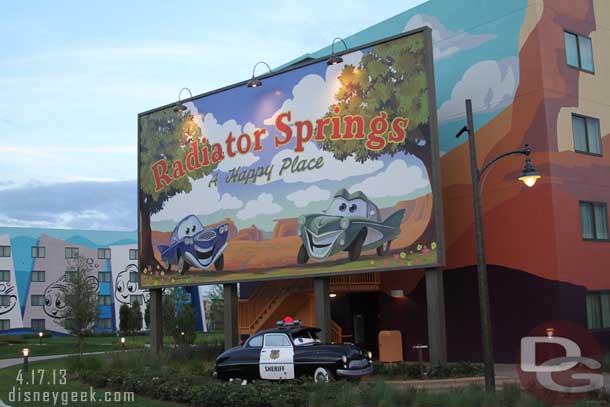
(12, 339)
(45, 334)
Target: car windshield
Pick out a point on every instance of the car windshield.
(188, 227)
(305, 337)
(352, 208)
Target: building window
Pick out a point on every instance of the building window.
(103, 254)
(38, 276)
(39, 252)
(71, 252)
(133, 277)
(579, 51)
(598, 309)
(70, 276)
(104, 277)
(104, 323)
(104, 300)
(5, 300)
(38, 325)
(594, 220)
(5, 275)
(587, 135)
(37, 300)
(5, 251)
(133, 254)
(5, 324)
(138, 298)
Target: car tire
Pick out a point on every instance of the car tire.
(356, 247)
(303, 256)
(219, 264)
(384, 248)
(183, 266)
(322, 375)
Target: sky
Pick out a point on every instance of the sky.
(74, 75)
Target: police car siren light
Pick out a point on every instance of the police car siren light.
(288, 321)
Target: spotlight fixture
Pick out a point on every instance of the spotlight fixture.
(529, 175)
(254, 82)
(179, 106)
(334, 58)
(332, 295)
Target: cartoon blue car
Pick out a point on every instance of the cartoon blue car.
(192, 244)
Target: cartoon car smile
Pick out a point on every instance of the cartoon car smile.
(351, 223)
(192, 244)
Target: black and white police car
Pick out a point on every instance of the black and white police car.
(289, 351)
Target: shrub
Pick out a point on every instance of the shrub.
(12, 339)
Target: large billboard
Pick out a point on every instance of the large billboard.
(322, 170)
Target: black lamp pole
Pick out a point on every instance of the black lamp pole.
(488, 358)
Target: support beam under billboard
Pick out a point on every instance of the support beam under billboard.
(321, 291)
(156, 320)
(230, 315)
(435, 300)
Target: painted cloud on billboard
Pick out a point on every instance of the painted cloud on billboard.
(323, 170)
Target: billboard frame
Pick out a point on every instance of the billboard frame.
(435, 181)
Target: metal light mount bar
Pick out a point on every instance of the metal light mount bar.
(254, 82)
(335, 59)
(179, 106)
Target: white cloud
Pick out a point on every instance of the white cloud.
(333, 169)
(490, 84)
(446, 42)
(313, 95)
(262, 205)
(216, 132)
(202, 200)
(398, 179)
(304, 197)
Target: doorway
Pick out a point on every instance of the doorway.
(358, 315)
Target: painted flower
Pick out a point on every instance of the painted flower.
(419, 247)
(396, 256)
(425, 251)
(433, 245)
(403, 255)
(385, 262)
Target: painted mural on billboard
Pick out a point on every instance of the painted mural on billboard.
(316, 172)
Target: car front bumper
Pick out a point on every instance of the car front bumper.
(355, 372)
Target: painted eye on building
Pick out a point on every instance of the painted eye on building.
(58, 303)
(119, 288)
(47, 301)
(131, 287)
(353, 208)
(188, 231)
(193, 228)
(342, 206)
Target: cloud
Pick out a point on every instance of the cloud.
(262, 205)
(313, 94)
(72, 205)
(490, 84)
(202, 200)
(218, 133)
(446, 42)
(398, 179)
(333, 169)
(304, 197)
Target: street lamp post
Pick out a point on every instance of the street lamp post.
(529, 175)
(25, 352)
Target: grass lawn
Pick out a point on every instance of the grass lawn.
(69, 344)
(8, 381)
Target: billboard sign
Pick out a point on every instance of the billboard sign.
(322, 170)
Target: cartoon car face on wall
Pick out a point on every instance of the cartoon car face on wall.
(351, 223)
(8, 290)
(53, 299)
(124, 287)
(192, 244)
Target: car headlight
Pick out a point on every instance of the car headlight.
(222, 229)
(344, 359)
(188, 240)
(301, 220)
(369, 355)
(344, 223)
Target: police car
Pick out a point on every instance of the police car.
(289, 351)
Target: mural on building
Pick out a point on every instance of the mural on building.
(35, 271)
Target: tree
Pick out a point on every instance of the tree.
(147, 315)
(135, 317)
(169, 315)
(124, 319)
(163, 135)
(80, 298)
(186, 323)
(391, 78)
(216, 312)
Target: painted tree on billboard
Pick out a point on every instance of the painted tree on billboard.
(168, 135)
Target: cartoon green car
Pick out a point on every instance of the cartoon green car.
(351, 223)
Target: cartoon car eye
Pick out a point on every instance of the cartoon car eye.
(131, 287)
(353, 207)
(188, 231)
(119, 287)
(58, 302)
(342, 206)
(193, 228)
(47, 301)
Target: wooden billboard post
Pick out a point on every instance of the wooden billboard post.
(231, 333)
(321, 291)
(156, 320)
(435, 301)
